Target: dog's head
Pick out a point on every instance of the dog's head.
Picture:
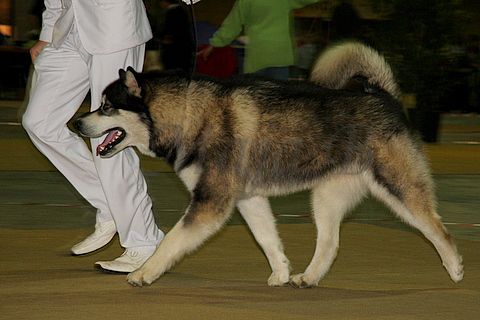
(122, 116)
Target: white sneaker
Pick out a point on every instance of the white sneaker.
(130, 260)
(102, 235)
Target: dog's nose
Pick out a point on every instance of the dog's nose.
(77, 124)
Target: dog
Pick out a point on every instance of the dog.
(236, 142)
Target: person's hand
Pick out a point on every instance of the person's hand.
(36, 49)
(205, 52)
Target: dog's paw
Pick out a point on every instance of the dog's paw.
(301, 281)
(455, 271)
(140, 277)
(278, 279)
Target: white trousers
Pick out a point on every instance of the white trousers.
(115, 186)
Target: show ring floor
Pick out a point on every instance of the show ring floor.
(384, 269)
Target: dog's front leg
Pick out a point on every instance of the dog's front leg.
(257, 213)
(203, 218)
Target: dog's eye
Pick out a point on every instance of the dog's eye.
(106, 109)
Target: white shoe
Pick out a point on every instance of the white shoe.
(102, 235)
(130, 260)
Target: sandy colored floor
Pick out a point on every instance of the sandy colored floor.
(384, 270)
(379, 274)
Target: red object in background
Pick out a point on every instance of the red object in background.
(222, 62)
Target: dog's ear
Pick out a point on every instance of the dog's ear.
(129, 79)
(121, 74)
(130, 68)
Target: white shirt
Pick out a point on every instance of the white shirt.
(104, 26)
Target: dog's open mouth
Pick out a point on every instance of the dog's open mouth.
(114, 137)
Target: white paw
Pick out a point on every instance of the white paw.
(141, 277)
(302, 281)
(455, 272)
(278, 279)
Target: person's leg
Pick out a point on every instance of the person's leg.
(61, 86)
(122, 180)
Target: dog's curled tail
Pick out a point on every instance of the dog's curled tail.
(341, 63)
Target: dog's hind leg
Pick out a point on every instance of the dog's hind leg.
(257, 213)
(402, 181)
(331, 200)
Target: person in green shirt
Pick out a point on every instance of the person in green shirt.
(269, 50)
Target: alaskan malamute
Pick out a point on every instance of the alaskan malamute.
(236, 142)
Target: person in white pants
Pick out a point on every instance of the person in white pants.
(82, 45)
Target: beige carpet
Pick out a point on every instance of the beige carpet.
(379, 274)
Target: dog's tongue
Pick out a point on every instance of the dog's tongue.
(107, 140)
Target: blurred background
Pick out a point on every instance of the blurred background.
(433, 46)
(384, 270)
